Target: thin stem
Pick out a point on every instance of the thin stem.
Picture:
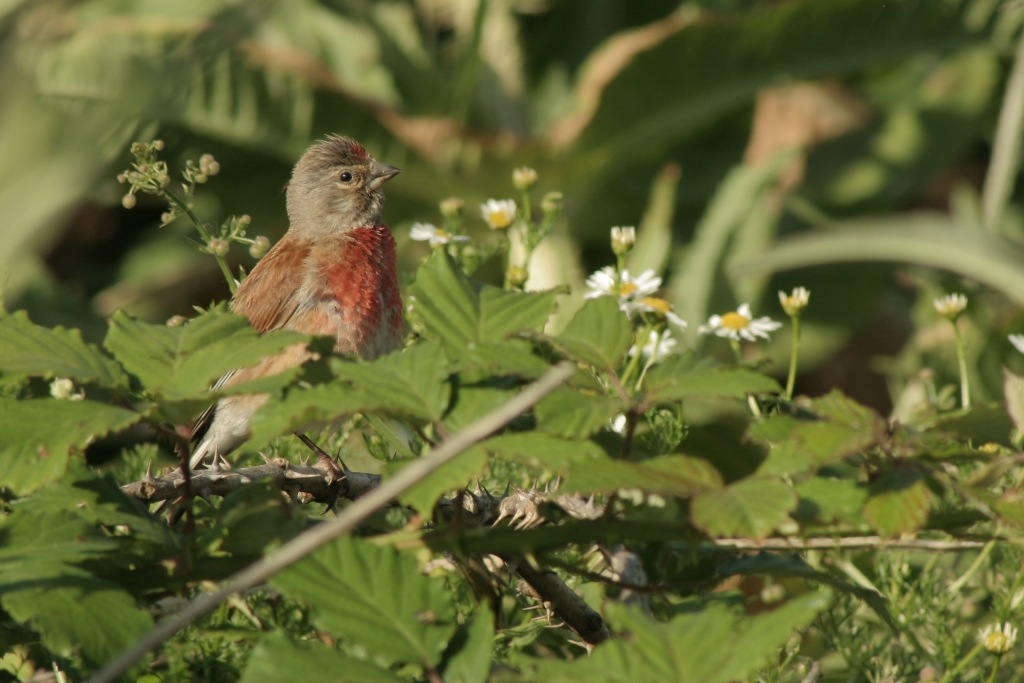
(961, 357)
(634, 361)
(737, 350)
(308, 541)
(793, 356)
(1005, 161)
(995, 668)
(652, 360)
(171, 197)
(978, 561)
(962, 664)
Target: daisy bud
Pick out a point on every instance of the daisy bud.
(213, 168)
(998, 639)
(259, 247)
(951, 305)
(201, 178)
(524, 178)
(452, 207)
(551, 203)
(794, 303)
(158, 145)
(623, 240)
(128, 201)
(176, 321)
(63, 389)
(517, 277)
(218, 247)
(206, 160)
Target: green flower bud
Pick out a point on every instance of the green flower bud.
(623, 240)
(259, 247)
(128, 201)
(201, 178)
(176, 321)
(452, 207)
(158, 145)
(218, 247)
(551, 203)
(517, 277)
(212, 168)
(244, 219)
(524, 178)
(121, 178)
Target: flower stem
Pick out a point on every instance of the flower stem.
(961, 357)
(652, 360)
(793, 356)
(737, 350)
(962, 664)
(634, 362)
(172, 198)
(995, 669)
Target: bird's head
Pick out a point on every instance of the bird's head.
(337, 186)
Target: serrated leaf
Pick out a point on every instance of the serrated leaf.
(254, 516)
(301, 406)
(37, 437)
(28, 349)
(574, 415)
(471, 662)
(410, 382)
(454, 474)
(72, 609)
(598, 334)
(454, 311)
(899, 502)
(677, 378)
(536, 449)
(278, 660)
(376, 597)
(832, 499)
(183, 362)
(731, 646)
(58, 536)
(472, 403)
(672, 475)
(511, 357)
(752, 508)
(505, 313)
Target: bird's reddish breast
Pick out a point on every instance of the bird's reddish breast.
(363, 279)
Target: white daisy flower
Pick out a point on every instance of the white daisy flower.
(664, 345)
(998, 639)
(660, 308)
(499, 213)
(1018, 341)
(427, 232)
(793, 303)
(951, 305)
(625, 288)
(739, 324)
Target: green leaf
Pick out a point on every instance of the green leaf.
(453, 311)
(512, 357)
(72, 609)
(1013, 393)
(28, 349)
(57, 536)
(677, 378)
(410, 382)
(376, 597)
(752, 507)
(301, 406)
(899, 502)
(925, 239)
(832, 499)
(184, 362)
(536, 449)
(599, 334)
(715, 645)
(278, 660)
(454, 474)
(672, 475)
(654, 234)
(472, 403)
(471, 662)
(37, 437)
(254, 516)
(569, 413)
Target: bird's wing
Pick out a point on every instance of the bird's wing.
(268, 297)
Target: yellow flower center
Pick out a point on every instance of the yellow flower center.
(443, 234)
(735, 321)
(627, 288)
(499, 219)
(997, 642)
(659, 305)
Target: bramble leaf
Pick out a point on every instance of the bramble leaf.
(599, 334)
(752, 507)
(279, 660)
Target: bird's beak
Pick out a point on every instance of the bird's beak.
(382, 173)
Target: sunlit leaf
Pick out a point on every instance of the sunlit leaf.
(599, 334)
(572, 414)
(673, 475)
(279, 660)
(899, 502)
(752, 507)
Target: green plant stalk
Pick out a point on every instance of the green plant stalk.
(1005, 162)
(171, 197)
(737, 351)
(961, 357)
(978, 561)
(962, 664)
(995, 668)
(650, 361)
(634, 362)
(793, 357)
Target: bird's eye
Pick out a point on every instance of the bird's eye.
(346, 177)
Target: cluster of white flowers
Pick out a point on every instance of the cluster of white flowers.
(740, 324)
(657, 345)
(634, 294)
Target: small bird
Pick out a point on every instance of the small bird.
(333, 273)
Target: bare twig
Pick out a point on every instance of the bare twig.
(1005, 161)
(310, 540)
(846, 543)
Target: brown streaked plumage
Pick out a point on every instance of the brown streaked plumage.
(333, 273)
